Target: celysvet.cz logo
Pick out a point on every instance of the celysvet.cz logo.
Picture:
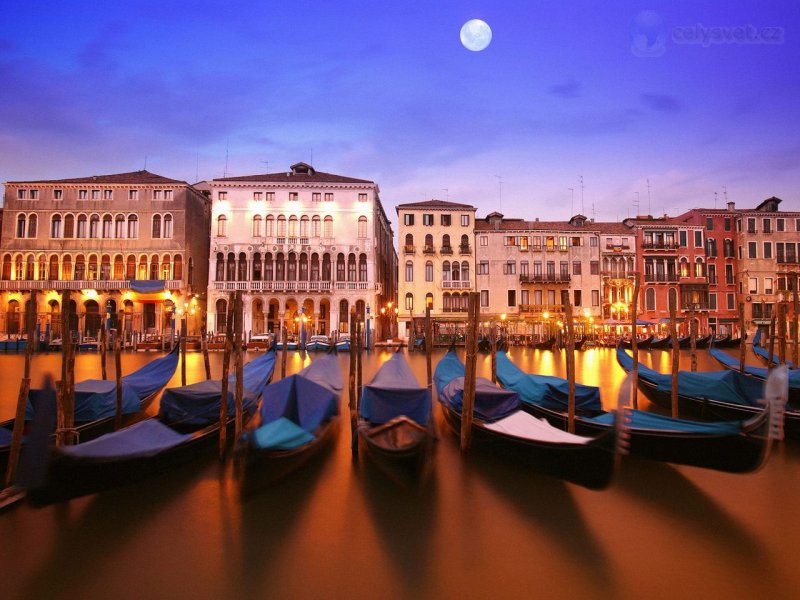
(649, 35)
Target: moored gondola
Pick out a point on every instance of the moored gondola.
(661, 343)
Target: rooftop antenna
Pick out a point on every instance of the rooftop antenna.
(594, 215)
(725, 193)
(500, 184)
(225, 174)
(636, 203)
(572, 205)
(581, 194)
(446, 193)
(145, 162)
(649, 210)
(266, 162)
(715, 200)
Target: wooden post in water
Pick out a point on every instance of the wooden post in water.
(285, 350)
(637, 282)
(676, 355)
(22, 397)
(102, 347)
(118, 376)
(782, 309)
(742, 337)
(795, 333)
(570, 331)
(692, 339)
(223, 396)
(468, 400)
(353, 400)
(493, 350)
(204, 343)
(771, 353)
(359, 359)
(238, 317)
(182, 349)
(428, 342)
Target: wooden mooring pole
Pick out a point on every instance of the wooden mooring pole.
(351, 387)
(223, 396)
(742, 338)
(637, 282)
(676, 356)
(468, 400)
(570, 331)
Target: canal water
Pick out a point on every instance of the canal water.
(479, 527)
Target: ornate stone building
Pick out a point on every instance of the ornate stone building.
(305, 247)
(135, 242)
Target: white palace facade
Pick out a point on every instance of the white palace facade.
(304, 247)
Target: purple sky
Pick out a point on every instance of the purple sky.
(387, 92)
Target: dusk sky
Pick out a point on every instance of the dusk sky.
(386, 91)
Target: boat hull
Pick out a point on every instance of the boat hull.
(400, 448)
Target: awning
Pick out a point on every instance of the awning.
(147, 286)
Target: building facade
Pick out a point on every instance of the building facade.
(132, 242)
(526, 269)
(436, 265)
(305, 247)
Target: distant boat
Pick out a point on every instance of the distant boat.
(318, 343)
(643, 343)
(299, 418)
(547, 344)
(343, 343)
(661, 343)
(87, 344)
(763, 353)
(260, 341)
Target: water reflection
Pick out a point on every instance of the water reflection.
(480, 527)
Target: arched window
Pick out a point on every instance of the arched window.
(362, 226)
(242, 271)
(351, 267)
(30, 268)
(177, 267)
(340, 266)
(19, 268)
(280, 267)
(327, 228)
(94, 226)
(673, 298)
(53, 271)
(80, 267)
(429, 300)
(409, 301)
(133, 226)
(315, 267)
(362, 267)
(270, 229)
(107, 226)
(257, 266)
(409, 271)
(684, 267)
(464, 243)
(167, 226)
(456, 271)
(291, 270)
(268, 267)
(230, 267)
(409, 242)
(293, 226)
(344, 316)
(221, 220)
(315, 223)
(326, 267)
(446, 270)
(220, 274)
(55, 227)
(6, 267)
(222, 315)
(13, 317)
(166, 271)
(105, 267)
(429, 243)
(257, 226)
(32, 223)
(21, 219)
(119, 267)
(650, 299)
(119, 226)
(446, 243)
(69, 226)
(304, 226)
(66, 268)
(303, 274)
(699, 268)
(154, 267)
(81, 229)
(130, 267)
(42, 267)
(142, 268)
(281, 226)
(429, 271)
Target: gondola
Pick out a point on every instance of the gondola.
(395, 426)
(484, 344)
(547, 344)
(579, 343)
(726, 342)
(318, 343)
(761, 374)
(642, 343)
(299, 418)
(186, 427)
(343, 343)
(96, 401)
(732, 446)
(700, 342)
(710, 395)
(500, 425)
(661, 343)
(763, 353)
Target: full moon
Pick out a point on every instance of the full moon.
(476, 35)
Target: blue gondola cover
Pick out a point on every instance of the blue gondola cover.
(147, 438)
(393, 392)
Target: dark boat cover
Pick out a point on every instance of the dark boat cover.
(724, 386)
(97, 398)
(757, 372)
(639, 420)
(764, 353)
(394, 391)
(146, 438)
(198, 403)
(491, 402)
(293, 408)
(545, 390)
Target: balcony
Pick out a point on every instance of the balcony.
(546, 278)
(661, 277)
(464, 249)
(408, 249)
(659, 245)
(456, 285)
(428, 250)
(275, 286)
(80, 284)
(618, 247)
(446, 250)
(541, 308)
(787, 260)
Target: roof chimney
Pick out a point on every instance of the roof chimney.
(731, 206)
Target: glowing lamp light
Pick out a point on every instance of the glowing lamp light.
(546, 315)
